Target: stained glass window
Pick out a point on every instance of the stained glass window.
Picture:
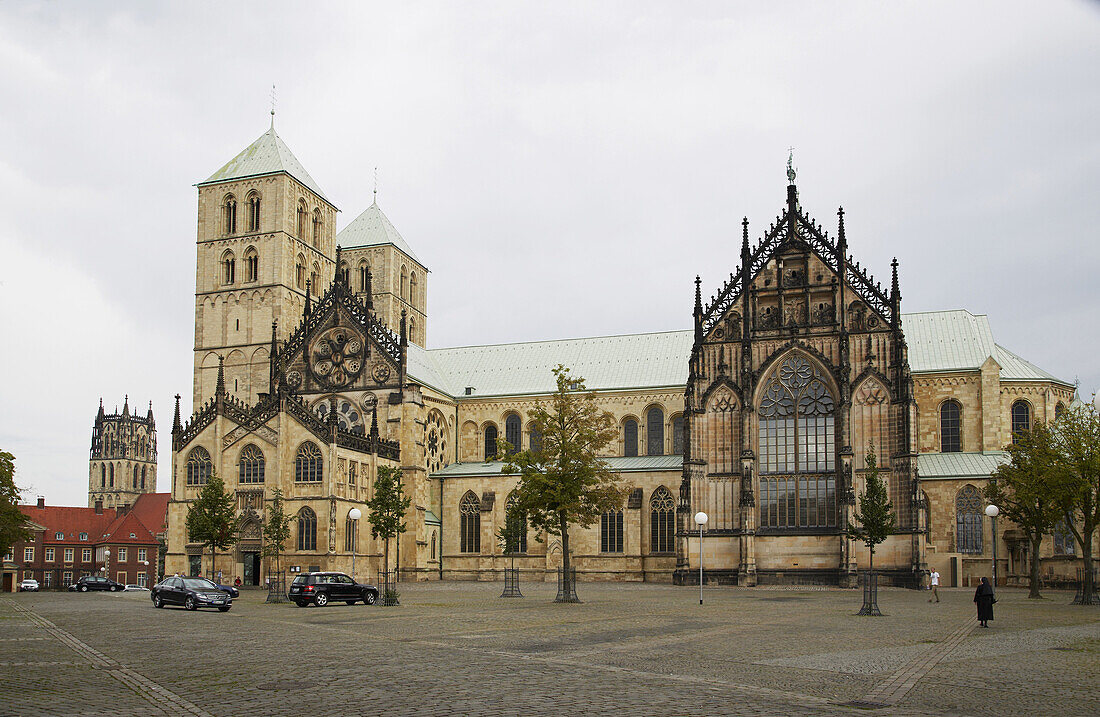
(251, 465)
(308, 465)
(655, 432)
(470, 530)
(512, 432)
(611, 532)
(662, 521)
(968, 520)
(199, 467)
(307, 529)
(630, 437)
(1021, 419)
(950, 427)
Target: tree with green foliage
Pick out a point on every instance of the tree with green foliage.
(387, 509)
(212, 518)
(1025, 490)
(13, 524)
(564, 481)
(875, 519)
(1076, 442)
(276, 530)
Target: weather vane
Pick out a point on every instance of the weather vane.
(273, 105)
(376, 185)
(790, 168)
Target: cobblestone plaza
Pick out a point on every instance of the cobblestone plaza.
(456, 648)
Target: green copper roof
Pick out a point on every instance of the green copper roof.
(267, 155)
(372, 228)
(621, 464)
(937, 340)
(959, 465)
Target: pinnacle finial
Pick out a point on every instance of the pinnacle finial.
(698, 294)
(790, 165)
(744, 233)
(339, 272)
(273, 105)
(375, 203)
(308, 291)
(220, 388)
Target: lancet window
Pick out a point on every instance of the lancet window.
(797, 448)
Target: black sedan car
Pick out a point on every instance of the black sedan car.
(95, 582)
(322, 588)
(190, 592)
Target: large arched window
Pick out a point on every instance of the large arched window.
(307, 529)
(315, 280)
(797, 456)
(308, 465)
(111, 473)
(678, 435)
(143, 477)
(199, 467)
(137, 476)
(950, 427)
(1063, 538)
(512, 432)
(318, 227)
(490, 442)
(229, 268)
(655, 432)
(253, 212)
(968, 520)
(1021, 419)
(1059, 409)
(611, 532)
(251, 465)
(412, 289)
(662, 521)
(469, 510)
(229, 214)
(102, 475)
(630, 437)
(516, 522)
(404, 281)
(351, 535)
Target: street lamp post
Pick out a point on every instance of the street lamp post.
(107, 563)
(354, 515)
(993, 511)
(145, 564)
(700, 520)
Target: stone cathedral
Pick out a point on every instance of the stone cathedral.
(312, 369)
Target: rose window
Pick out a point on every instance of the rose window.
(336, 357)
(435, 442)
(348, 416)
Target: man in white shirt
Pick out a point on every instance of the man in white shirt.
(934, 580)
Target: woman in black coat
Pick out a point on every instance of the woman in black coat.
(983, 596)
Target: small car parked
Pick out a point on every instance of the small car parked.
(323, 588)
(132, 588)
(95, 582)
(29, 585)
(191, 592)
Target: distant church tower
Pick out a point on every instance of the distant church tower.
(266, 235)
(123, 459)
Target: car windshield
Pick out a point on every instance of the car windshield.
(197, 583)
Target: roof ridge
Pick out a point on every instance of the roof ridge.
(552, 341)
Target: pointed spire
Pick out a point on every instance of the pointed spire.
(102, 414)
(698, 313)
(308, 292)
(176, 417)
(149, 416)
(374, 423)
(219, 389)
(339, 272)
(272, 357)
(744, 234)
(895, 292)
(126, 400)
(842, 240)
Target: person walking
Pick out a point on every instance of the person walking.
(934, 585)
(984, 598)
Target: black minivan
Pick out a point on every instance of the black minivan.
(322, 588)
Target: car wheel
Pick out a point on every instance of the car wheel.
(158, 601)
(224, 608)
(321, 600)
(190, 603)
(299, 603)
(83, 588)
(114, 588)
(369, 598)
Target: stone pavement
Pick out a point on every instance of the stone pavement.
(456, 648)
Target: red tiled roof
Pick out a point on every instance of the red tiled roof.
(152, 510)
(120, 530)
(70, 521)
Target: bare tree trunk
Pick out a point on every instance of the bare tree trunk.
(1033, 592)
(1087, 584)
(567, 586)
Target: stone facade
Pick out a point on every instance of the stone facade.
(122, 463)
(793, 371)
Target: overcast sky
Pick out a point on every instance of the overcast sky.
(563, 169)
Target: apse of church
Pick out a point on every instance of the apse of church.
(787, 394)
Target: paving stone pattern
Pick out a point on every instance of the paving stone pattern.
(456, 648)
